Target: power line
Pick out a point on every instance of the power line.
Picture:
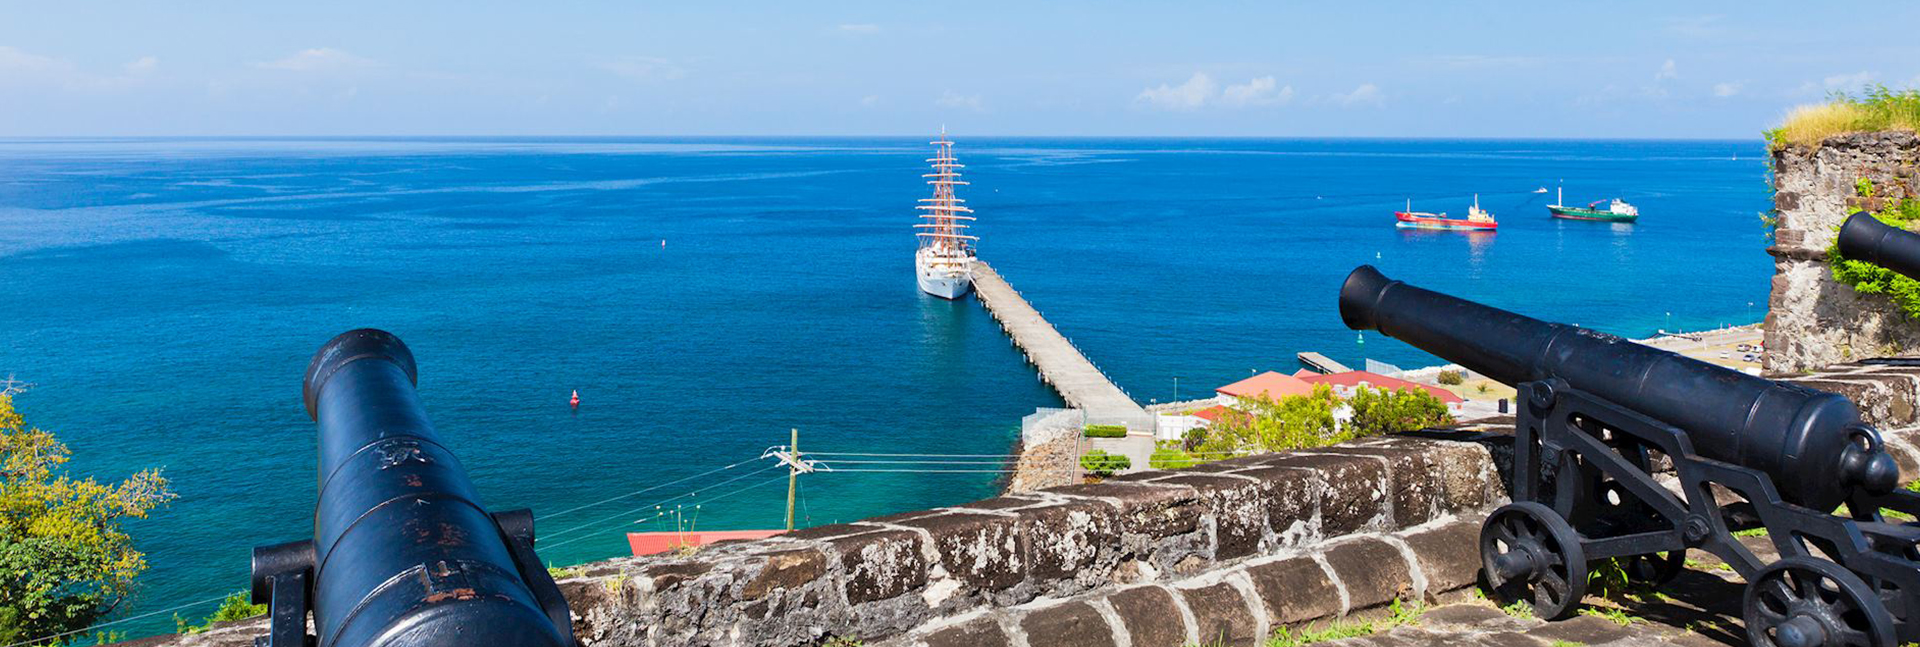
(656, 503)
(716, 498)
(920, 471)
(115, 622)
(834, 461)
(551, 515)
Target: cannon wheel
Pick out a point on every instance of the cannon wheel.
(1531, 554)
(1806, 602)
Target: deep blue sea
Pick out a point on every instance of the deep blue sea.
(165, 295)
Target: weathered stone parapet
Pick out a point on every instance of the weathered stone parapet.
(886, 577)
(1812, 320)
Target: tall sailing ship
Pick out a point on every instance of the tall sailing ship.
(944, 262)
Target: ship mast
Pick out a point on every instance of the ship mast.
(942, 215)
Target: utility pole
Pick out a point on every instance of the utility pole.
(789, 455)
(793, 477)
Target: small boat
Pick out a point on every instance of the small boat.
(1540, 190)
(1616, 211)
(1477, 219)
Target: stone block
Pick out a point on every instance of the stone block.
(1151, 510)
(1586, 630)
(1074, 624)
(1295, 590)
(1239, 510)
(980, 632)
(1065, 537)
(1372, 571)
(985, 551)
(1413, 477)
(1150, 616)
(1354, 495)
(1449, 555)
(1293, 496)
(786, 569)
(1222, 615)
(880, 565)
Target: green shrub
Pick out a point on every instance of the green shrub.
(1452, 378)
(1868, 278)
(238, 606)
(1100, 463)
(1382, 411)
(1168, 455)
(1105, 431)
(1262, 424)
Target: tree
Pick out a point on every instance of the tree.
(1168, 455)
(1261, 424)
(65, 562)
(1382, 411)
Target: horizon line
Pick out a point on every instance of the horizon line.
(7, 137)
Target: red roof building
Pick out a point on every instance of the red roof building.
(1270, 384)
(1350, 380)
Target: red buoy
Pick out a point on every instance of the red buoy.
(575, 402)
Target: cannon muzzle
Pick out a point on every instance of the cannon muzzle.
(403, 555)
(1865, 238)
(1811, 442)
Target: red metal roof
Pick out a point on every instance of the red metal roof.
(1273, 385)
(653, 543)
(1357, 378)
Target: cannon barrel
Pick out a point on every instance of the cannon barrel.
(1865, 238)
(1812, 443)
(403, 554)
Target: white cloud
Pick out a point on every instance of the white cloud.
(1839, 83)
(644, 68)
(143, 65)
(12, 60)
(1256, 92)
(860, 28)
(1366, 94)
(318, 59)
(870, 100)
(1727, 89)
(951, 99)
(1193, 94)
(1667, 71)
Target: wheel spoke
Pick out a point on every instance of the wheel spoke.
(1851, 636)
(1777, 593)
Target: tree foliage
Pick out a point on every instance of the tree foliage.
(1261, 424)
(64, 559)
(1383, 411)
(1169, 455)
(238, 606)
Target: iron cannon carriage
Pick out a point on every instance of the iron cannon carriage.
(402, 554)
(1600, 422)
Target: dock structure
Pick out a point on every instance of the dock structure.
(1320, 363)
(1061, 365)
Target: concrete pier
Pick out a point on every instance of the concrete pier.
(1060, 364)
(1320, 363)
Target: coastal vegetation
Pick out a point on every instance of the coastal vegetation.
(1451, 378)
(1105, 431)
(1170, 455)
(1102, 464)
(238, 606)
(1262, 424)
(1868, 278)
(65, 561)
(1875, 109)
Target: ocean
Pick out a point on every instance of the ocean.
(705, 296)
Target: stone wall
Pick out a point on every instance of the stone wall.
(1813, 321)
(1225, 551)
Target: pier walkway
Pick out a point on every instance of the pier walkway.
(1061, 365)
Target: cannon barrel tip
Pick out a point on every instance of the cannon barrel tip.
(1860, 238)
(1360, 295)
(351, 346)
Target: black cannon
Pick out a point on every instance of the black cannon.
(1865, 238)
(402, 554)
(1600, 416)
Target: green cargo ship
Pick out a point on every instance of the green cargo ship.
(1616, 211)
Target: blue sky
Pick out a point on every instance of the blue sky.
(1429, 69)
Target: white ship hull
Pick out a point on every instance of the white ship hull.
(945, 287)
(944, 277)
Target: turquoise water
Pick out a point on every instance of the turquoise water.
(166, 295)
